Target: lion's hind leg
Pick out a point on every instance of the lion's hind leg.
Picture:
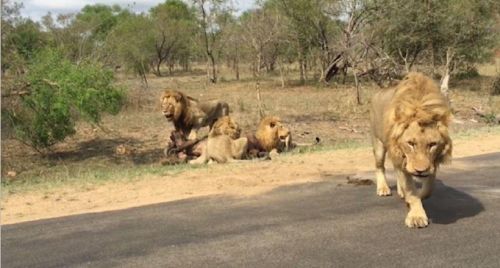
(379, 152)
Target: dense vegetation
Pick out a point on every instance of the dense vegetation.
(65, 63)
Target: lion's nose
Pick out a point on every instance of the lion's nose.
(282, 137)
(421, 170)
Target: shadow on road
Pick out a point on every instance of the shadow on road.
(448, 205)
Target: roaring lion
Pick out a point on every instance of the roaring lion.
(188, 114)
(223, 143)
(410, 122)
(271, 137)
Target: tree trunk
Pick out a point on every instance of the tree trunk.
(446, 77)
(213, 77)
(170, 68)
(301, 66)
(445, 82)
(142, 73)
(282, 77)
(259, 62)
(304, 61)
(344, 73)
(208, 50)
(236, 67)
(333, 68)
(358, 91)
(158, 65)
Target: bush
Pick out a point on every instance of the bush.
(60, 93)
(469, 72)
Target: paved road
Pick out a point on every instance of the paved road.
(315, 225)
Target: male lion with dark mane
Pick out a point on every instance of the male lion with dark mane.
(410, 122)
(187, 113)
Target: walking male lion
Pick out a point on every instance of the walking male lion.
(410, 122)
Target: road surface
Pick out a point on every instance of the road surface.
(327, 224)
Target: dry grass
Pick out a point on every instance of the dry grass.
(313, 110)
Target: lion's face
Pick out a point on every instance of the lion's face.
(422, 147)
(226, 126)
(172, 104)
(271, 132)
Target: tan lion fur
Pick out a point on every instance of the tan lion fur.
(224, 143)
(271, 132)
(187, 113)
(410, 122)
(271, 135)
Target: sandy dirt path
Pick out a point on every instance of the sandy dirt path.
(235, 179)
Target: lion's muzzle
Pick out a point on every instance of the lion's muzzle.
(168, 115)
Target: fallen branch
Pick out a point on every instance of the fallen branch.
(50, 83)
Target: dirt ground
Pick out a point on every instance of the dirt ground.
(232, 179)
(313, 110)
(77, 175)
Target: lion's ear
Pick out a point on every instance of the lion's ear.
(216, 129)
(179, 97)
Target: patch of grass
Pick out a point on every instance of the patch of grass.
(474, 132)
(93, 176)
(340, 145)
(89, 177)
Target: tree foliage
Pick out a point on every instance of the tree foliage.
(61, 92)
(132, 42)
(380, 39)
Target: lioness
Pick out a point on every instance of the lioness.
(410, 121)
(188, 114)
(223, 144)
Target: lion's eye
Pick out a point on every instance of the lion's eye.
(432, 144)
(411, 144)
(272, 124)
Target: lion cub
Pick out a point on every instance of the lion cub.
(224, 143)
(410, 122)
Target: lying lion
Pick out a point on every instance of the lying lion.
(223, 143)
(271, 138)
(410, 122)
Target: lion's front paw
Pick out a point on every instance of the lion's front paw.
(383, 191)
(416, 220)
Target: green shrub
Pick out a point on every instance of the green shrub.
(468, 72)
(61, 93)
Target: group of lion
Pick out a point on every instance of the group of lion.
(224, 142)
(409, 122)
